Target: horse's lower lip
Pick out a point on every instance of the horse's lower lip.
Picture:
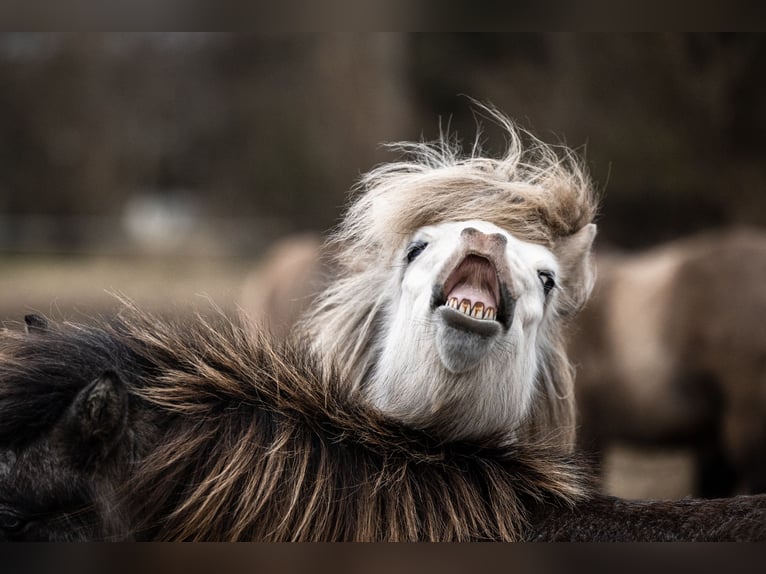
(463, 322)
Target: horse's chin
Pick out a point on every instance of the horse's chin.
(463, 341)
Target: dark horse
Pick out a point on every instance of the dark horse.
(147, 428)
(65, 446)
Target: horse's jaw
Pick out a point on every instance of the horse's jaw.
(463, 341)
(472, 308)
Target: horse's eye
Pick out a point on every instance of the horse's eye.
(414, 249)
(548, 281)
(10, 520)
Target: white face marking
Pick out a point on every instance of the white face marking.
(442, 353)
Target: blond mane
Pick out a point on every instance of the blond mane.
(537, 192)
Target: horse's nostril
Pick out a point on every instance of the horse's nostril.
(470, 232)
(498, 238)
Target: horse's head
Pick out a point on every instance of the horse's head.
(455, 274)
(62, 449)
(465, 325)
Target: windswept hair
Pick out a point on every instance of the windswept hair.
(242, 439)
(537, 192)
(230, 437)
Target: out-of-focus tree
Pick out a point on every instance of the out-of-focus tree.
(272, 130)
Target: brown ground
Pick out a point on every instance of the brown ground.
(76, 286)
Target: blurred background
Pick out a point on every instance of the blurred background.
(163, 166)
(178, 155)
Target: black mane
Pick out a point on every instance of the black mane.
(203, 430)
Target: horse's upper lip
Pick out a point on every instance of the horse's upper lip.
(475, 277)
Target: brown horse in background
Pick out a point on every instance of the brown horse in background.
(671, 352)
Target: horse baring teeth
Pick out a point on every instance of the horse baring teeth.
(476, 311)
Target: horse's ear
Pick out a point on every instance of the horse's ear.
(577, 267)
(96, 419)
(35, 323)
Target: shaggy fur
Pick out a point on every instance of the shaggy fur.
(535, 193)
(672, 352)
(227, 437)
(244, 441)
(610, 519)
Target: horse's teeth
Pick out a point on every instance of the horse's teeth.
(477, 311)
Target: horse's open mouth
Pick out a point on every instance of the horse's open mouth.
(472, 297)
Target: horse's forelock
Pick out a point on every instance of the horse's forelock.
(538, 193)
